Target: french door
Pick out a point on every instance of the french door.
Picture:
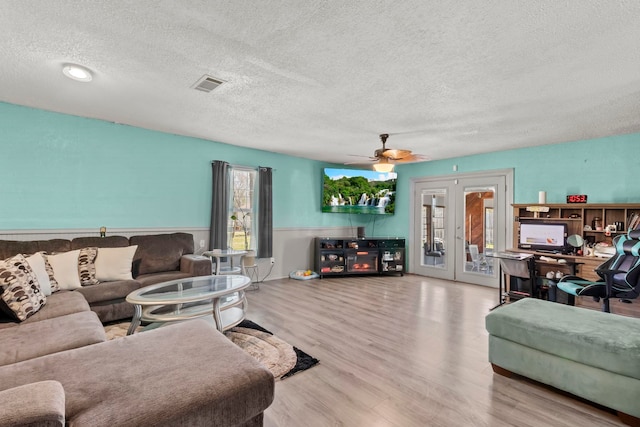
(458, 223)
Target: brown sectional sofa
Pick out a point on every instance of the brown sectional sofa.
(185, 374)
(159, 257)
(57, 367)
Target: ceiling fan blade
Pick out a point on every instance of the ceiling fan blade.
(361, 162)
(360, 155)
(396, 154)
(413, 158)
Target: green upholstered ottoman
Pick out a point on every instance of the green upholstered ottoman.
(585, 352)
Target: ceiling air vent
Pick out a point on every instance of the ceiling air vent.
(207, 83)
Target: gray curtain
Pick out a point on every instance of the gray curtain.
(265, 213)
(219, 205)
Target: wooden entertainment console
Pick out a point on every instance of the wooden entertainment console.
(335, 256)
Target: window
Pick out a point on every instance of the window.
(488, 227)
(243, 212)
(241, 208)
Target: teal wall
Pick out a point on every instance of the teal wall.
(61, 171)
(603, 168)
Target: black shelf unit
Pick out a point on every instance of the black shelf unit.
(335, 256)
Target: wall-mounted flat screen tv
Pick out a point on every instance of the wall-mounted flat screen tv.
(543, 236)
(358, 191)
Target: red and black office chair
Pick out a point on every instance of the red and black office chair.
(619, 275)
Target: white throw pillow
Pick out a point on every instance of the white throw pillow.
(36, 261)
(115, 263)
(65, 269)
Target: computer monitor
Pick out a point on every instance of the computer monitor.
(543, 236)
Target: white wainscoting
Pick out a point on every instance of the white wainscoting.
(292, 247)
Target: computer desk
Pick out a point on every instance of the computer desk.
(523, 264)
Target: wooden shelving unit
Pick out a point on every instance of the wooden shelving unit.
(577, 216)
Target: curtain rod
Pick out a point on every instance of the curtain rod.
(246, 167)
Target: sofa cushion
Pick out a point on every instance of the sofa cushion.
(161, 252)
(108, 291)
(115, 263)
(152, 279)
(99, 242)
(102, 380)
(196, 265)
(58, 304)
(9, 248)
(65, 269)
(38, 404)
(36, 339)
(87, 266)
(21, 293)
(110, 311)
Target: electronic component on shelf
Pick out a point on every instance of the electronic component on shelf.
(576, 198)
(537, 208)
(603, 250)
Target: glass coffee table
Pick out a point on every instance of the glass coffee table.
(221, 296)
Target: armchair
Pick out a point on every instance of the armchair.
(619, 275)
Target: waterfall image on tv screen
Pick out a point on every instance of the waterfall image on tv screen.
(358, 191)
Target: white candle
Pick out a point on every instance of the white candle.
(542, 197)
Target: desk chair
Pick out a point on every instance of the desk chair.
(523, 270)
(250, 269)
(619, 275)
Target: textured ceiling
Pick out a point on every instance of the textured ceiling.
(321, 80)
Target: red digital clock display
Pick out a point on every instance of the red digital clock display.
(577, 198)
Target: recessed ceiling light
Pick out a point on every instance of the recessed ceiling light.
(77, 72)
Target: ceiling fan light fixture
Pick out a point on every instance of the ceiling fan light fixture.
(384, 167)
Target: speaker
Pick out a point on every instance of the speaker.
(360, 232)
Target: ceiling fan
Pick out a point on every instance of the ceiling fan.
(385, 158)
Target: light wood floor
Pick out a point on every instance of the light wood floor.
(400, 351)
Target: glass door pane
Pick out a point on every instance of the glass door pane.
(434, 256)
(478, 204)
(434, 230)
(476, 230)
